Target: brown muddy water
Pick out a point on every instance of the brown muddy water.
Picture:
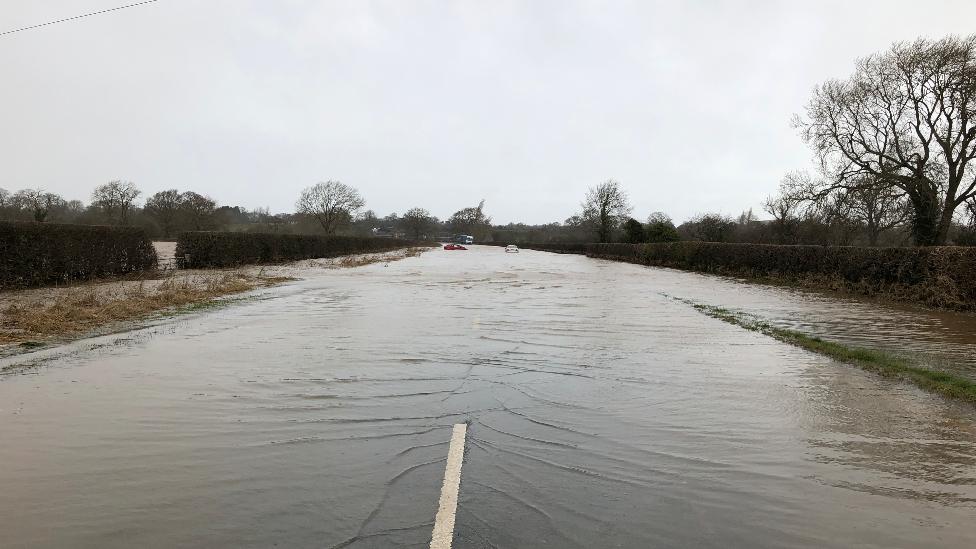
(601, 413)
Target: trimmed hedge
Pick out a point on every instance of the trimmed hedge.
(201, 249)
(35, 254)
(935, 276)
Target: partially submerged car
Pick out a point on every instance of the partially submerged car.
(454, 247)
(511, 249)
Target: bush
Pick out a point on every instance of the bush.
(228, 249)
(661, 231)
(934, 276)
(35, 254)
(633, 231)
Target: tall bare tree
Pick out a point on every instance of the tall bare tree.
(606, 207)
(785, 212)
(878, 207)
(331, 203)
(417, 222)
(906, 118)
(115, 199)
(867, 204)
(164, 207)
(197, 210)
(472, 221)
(709, 227)
(37, 203)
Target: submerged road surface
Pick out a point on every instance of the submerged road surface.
(600, 413)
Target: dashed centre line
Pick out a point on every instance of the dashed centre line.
(443, 534)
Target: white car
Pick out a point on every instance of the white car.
(511, 249)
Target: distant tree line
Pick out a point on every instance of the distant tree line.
(330, 207)
(869, 215)
(866, 215)
(117, 203)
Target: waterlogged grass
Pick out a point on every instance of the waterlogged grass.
(82, 309)
(210, 304)
(880, 362)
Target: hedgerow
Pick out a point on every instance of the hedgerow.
(935, 276)
(35, 254)
(199, 249)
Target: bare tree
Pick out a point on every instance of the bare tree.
(710, 227)
(829, 220)
(37, 202)
(472, 221)
(747, 217)
(786, 207)
(878, 207)
(786, 220)
(69, 211)
(417, 221)
(115, 199)
(197, 210)
(867, 204)
(164, 207)
(330, 203)
(4, 197)
(606, 207)
(905, 118)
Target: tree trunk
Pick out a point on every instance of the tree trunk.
(873, 234)
(926, 218)
(604, 228)
(945, 223)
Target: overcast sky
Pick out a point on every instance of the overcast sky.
(432, 103)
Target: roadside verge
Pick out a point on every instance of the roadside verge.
(889, 365)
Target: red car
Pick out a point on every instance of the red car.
(454, 247)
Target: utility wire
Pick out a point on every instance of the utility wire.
(78, 17)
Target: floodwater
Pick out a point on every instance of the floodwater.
(940, 339)
(602, 413)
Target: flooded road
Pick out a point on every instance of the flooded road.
(601, 413)
(940, 339)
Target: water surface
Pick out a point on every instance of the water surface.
(601, 412)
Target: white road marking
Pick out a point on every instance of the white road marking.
(444, 523)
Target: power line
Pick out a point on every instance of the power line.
(78, 17)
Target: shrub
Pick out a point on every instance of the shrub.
(661, 232)
(227, 249)
(34, 254)
(633, 231)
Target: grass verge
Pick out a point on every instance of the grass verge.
(84, 308)
(880, 362)
(350, 261)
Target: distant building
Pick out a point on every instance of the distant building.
(386, 232)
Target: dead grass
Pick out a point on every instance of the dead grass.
(368, 259)
(38, 316)
(82, 309)
(357, 261)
